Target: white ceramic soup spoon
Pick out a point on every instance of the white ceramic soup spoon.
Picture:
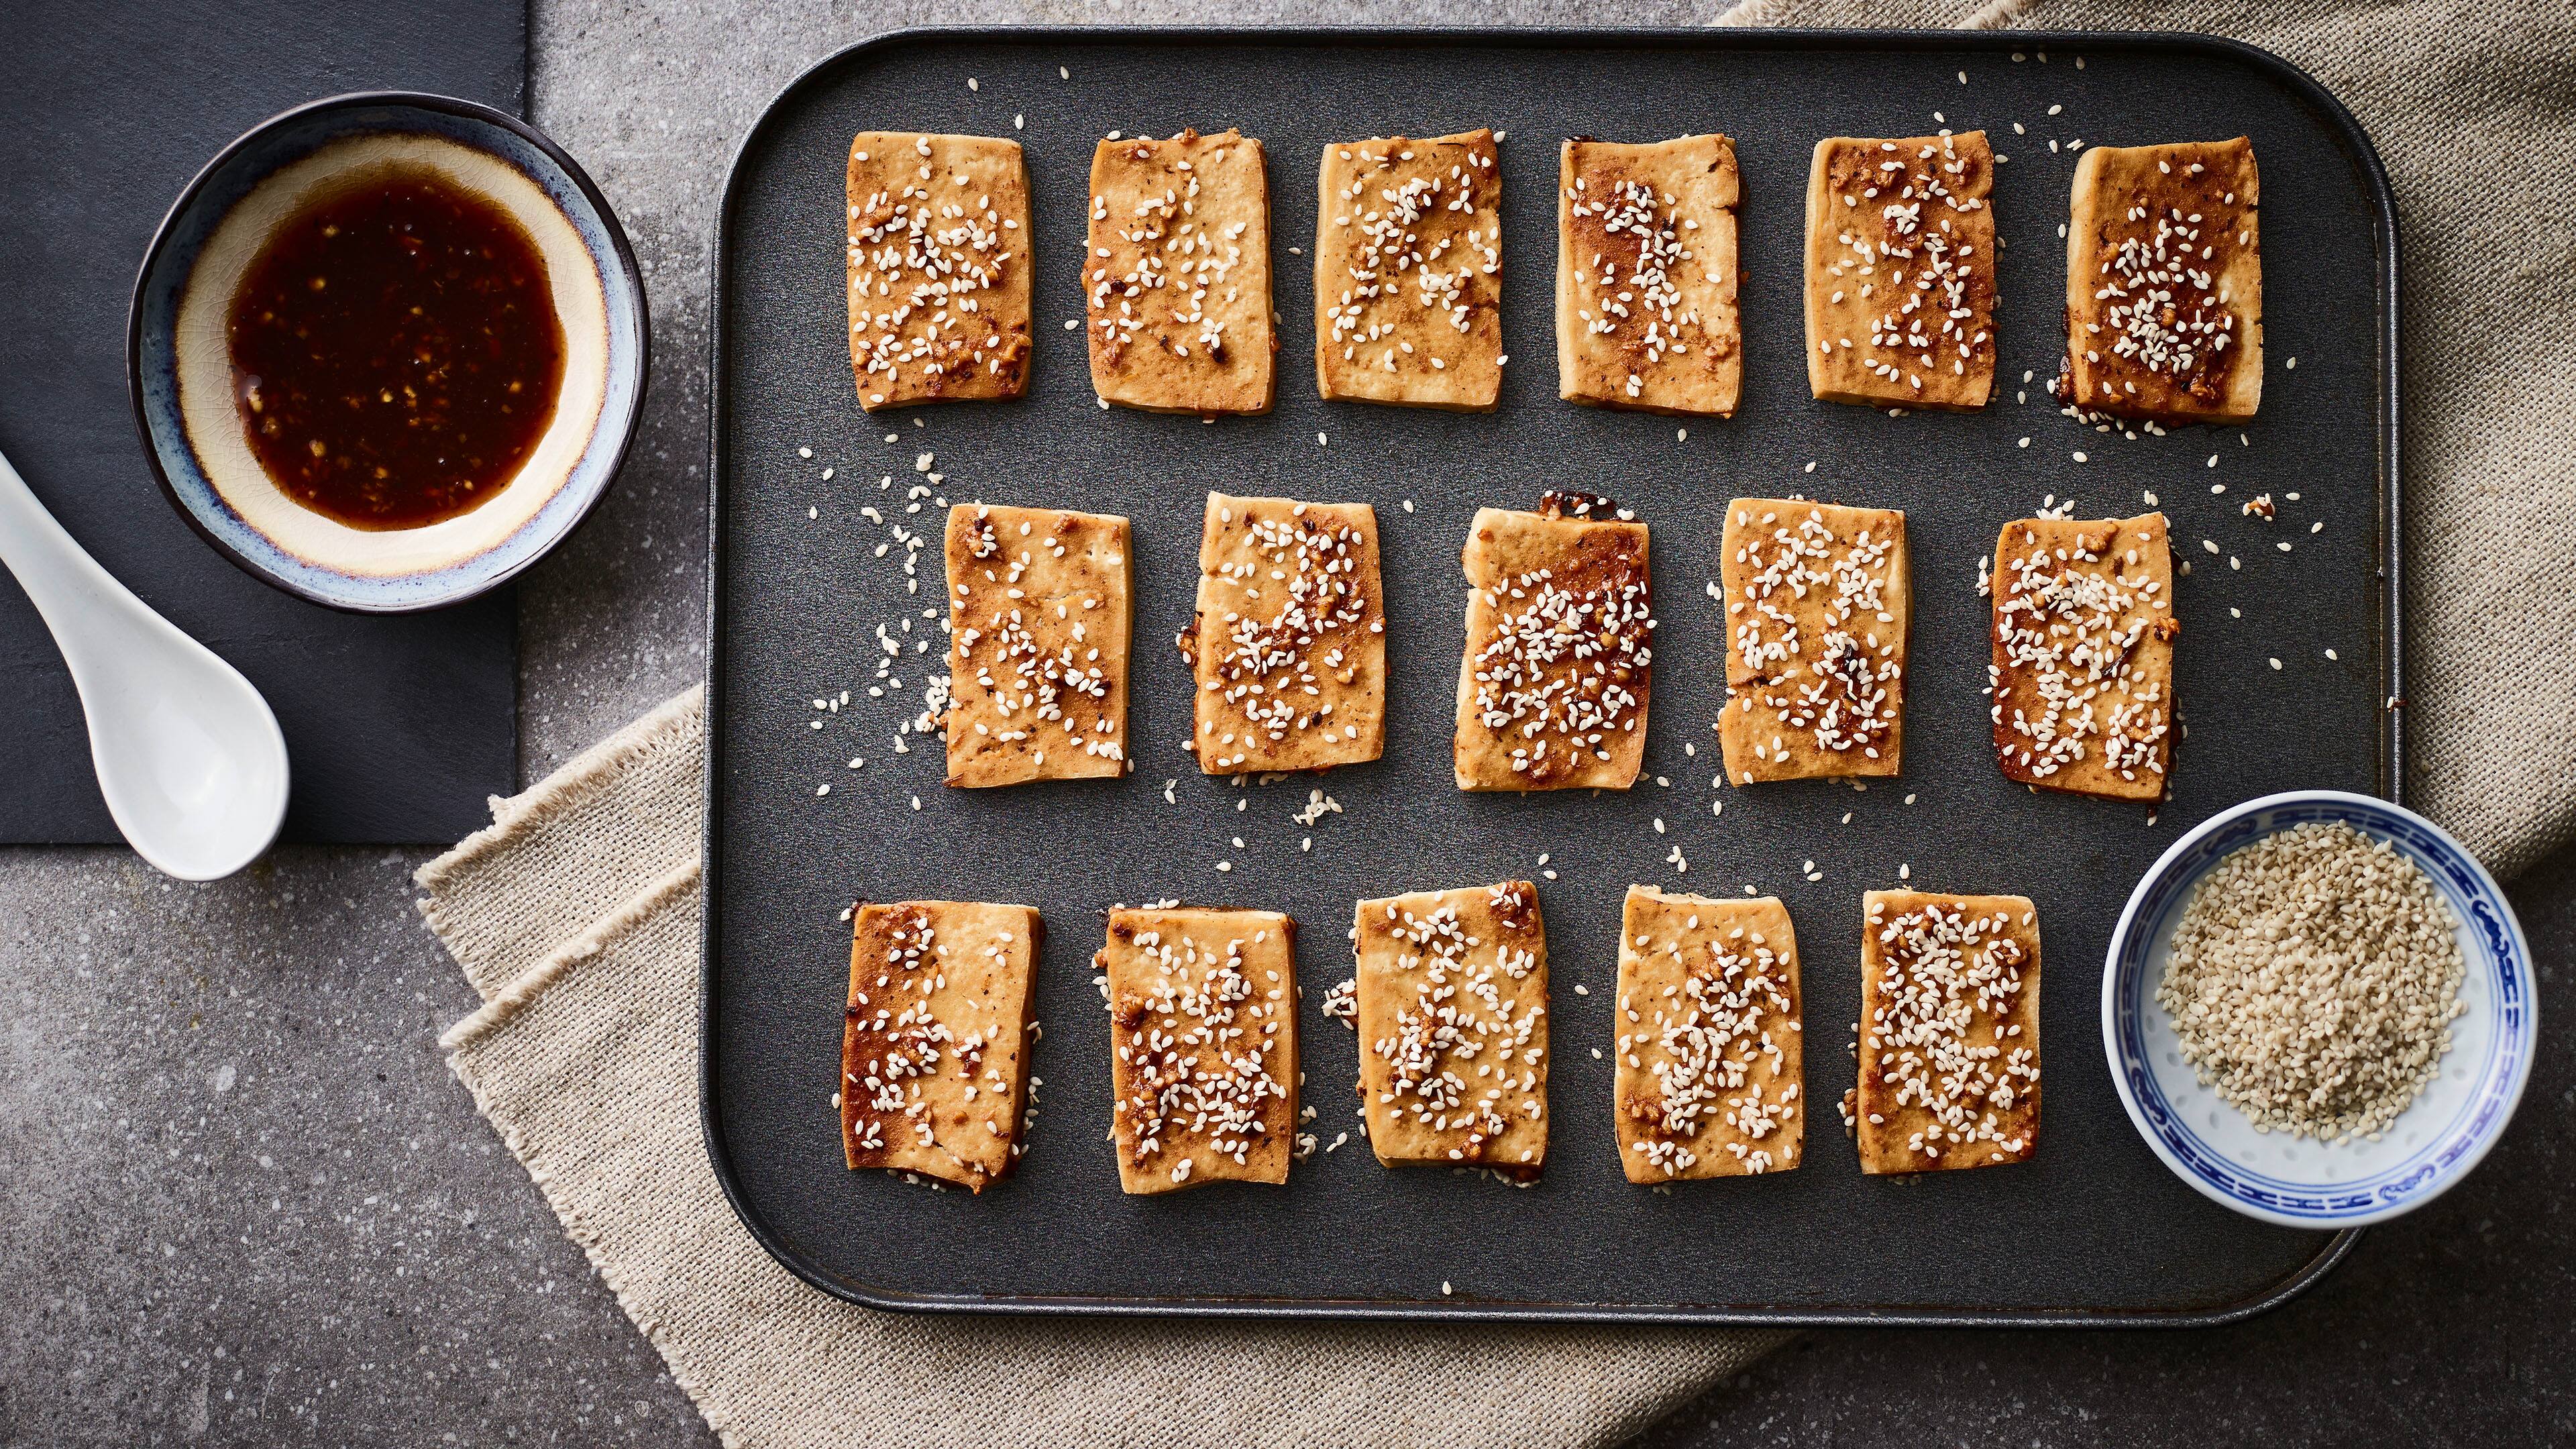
(188, 754)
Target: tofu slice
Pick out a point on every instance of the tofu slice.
(2083, 654)
(1711, 1075)
(1409, 272)
(935, 1046)
(1289, 644)
(1038, 618)
(1177, 280)
(1949, 1031)
(1553, 689)
(1901, 271)
(1203, 1046)
(2164, 283)
(1451, 1004)
(938, 268)
(1819, 606)
(1646, 276)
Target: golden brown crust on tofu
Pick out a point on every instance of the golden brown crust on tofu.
(1646, 276)
(934, 1047)
(1711, 1070)
(1553, 690)
(1177, 278)
(1901, 271)
(1451, 1002)
(1038, 615)
(1203, 1045)
(938, 268)
(1819, 606)
(1949, 1031)
(1289, 644)
(2083, 654)
(1409, 272)
(2164, 283)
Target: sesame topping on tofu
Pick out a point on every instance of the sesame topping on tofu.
(1948, 1075)
(1903, 250)
(938, 268)
(1203, 1036)
(933, 1066)
(1288, 643)
(1816, 616)
(1708, 1051)
(2082, 675)
(1408, 267)
(1559, 649)
(1452, 1015)
(1646, 286)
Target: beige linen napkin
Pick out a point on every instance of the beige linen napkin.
(575, 916)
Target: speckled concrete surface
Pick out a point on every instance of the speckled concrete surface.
(244, 1202)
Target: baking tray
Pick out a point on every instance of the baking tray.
(2092, 1232)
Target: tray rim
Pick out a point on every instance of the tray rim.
(2389, 573)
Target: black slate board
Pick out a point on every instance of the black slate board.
(397, 728)
(2093, 1231)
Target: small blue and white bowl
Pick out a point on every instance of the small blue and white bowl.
(2302, 1182)
(178, 362)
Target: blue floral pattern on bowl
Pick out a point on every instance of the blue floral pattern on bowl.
(2303, 1182)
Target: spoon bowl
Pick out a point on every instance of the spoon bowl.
(188, 754)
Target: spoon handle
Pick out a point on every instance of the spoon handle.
(57, 573)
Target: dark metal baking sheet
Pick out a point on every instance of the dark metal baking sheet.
(2092, 1232)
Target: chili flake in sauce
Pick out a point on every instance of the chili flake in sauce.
(395, 351)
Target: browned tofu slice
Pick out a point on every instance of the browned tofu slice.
(1289, 643)
(1409, 272)
(934, 1053)
(1038, 617)
(2164, 283)
(939, 268)
(1901, 271)
(1710, 1065)
(1949, 1031)
(1451, 998)
(1819, 604)
(2083, 643)
(1552, 692)
(1203, 1045)
(1177, 279)
(1646, 275)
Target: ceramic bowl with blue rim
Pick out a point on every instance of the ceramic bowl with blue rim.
(2303, 1182)
(194, 409)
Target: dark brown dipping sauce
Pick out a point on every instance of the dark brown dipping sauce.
(395, 351)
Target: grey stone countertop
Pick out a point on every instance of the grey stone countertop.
(244, 1202)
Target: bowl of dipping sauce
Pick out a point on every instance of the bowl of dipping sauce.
(2319, 1009)
(387, 350)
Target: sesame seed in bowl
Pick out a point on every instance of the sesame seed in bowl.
(2319, 1009)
